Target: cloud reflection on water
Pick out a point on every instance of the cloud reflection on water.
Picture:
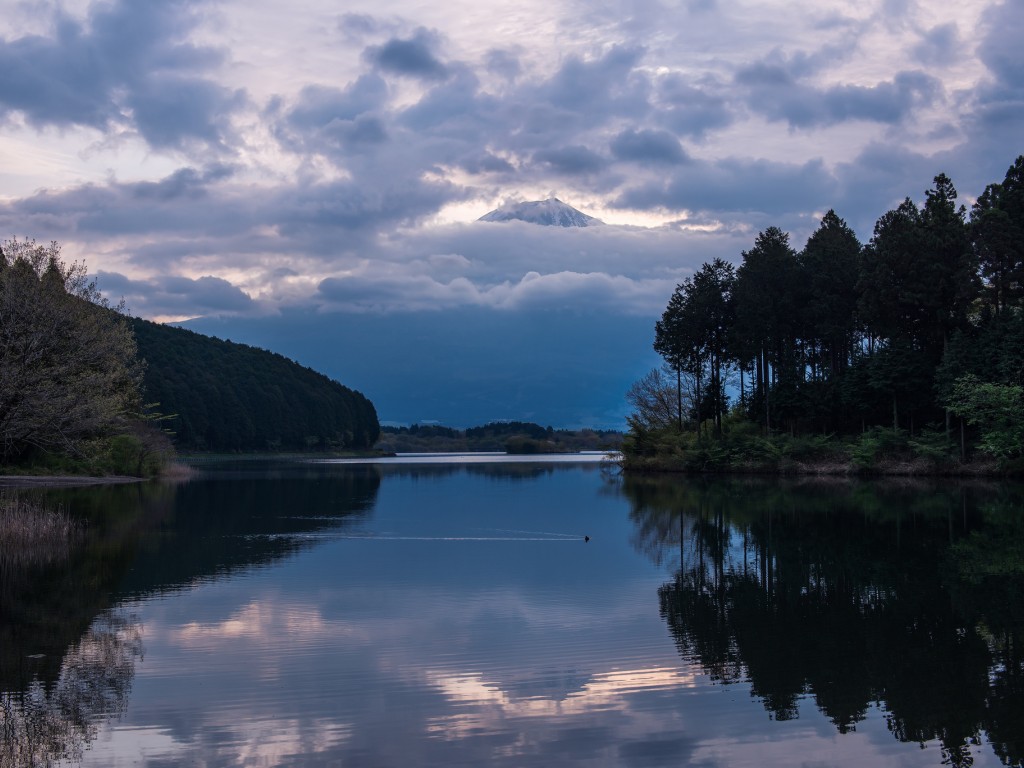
(405, 652)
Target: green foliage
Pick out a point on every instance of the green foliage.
(810, 447)
(998, 409)
(143, 454)
(876, 444)
(68, 368)
(743, 448)
(935, 446)
(233, 397)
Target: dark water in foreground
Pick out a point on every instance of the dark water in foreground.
(452, 614)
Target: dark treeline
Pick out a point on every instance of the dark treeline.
(224, 396)
(903, 597)
(523, 437)
(921, 328)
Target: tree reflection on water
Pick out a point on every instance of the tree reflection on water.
(906, 597)
(67, 657)
(51, 721)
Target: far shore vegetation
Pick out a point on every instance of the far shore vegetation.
(904, 355)
(517, 437)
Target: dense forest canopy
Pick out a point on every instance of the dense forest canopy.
(224, 396)
(920, 327)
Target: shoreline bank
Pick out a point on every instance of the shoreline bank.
(64, 481)
(840, 469)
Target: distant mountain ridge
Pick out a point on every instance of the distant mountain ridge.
(550, 213)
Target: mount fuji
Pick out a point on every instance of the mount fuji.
(551, 213)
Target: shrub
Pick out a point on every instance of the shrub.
(877, 443)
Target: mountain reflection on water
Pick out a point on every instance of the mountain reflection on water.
(899, 594)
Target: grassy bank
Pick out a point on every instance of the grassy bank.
(743, 449)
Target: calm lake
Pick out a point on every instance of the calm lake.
(449, 611)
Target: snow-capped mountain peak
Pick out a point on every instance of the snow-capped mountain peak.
(551, 212)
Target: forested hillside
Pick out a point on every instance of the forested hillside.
(919, 332)
(232, 397)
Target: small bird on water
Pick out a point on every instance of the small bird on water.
(586, 539)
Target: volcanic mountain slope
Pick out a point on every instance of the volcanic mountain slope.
(551, 212)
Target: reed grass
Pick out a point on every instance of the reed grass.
(33, 535)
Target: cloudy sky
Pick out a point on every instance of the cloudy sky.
(252, 162)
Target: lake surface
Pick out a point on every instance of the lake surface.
(441, 611)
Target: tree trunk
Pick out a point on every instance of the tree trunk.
(679, 398)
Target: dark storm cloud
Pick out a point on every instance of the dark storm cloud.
(457, 123)
(175, 295)
(1001, 48)
(939, 46)
(413, 57)
(173, 109)
(648, 146)
(195, 213)
(187, 202)
(455, 109)
(127, 64)
(775, 91)
(334, 120)
(609, 85)
(992, 121)
(504, 63)
(185, 182)
(688, 110)
(485, 162)
(573, 160)
(737, 186)
(317, 105)
(878, 179)
(314, 211)
(580, 97)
